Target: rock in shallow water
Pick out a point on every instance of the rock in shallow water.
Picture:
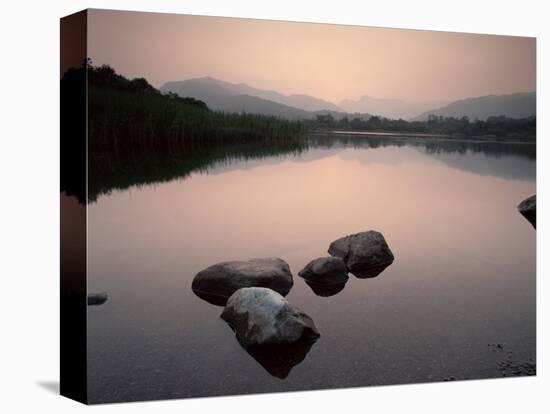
(528, 209)
(218, 282)
(262, 317)
(325, 271)
(97, 298)
(365, 254)
(326, 276)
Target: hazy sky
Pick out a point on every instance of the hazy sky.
(327, 61)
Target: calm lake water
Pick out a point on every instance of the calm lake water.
(463, 275)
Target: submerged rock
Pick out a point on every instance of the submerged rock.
(365, 254)
(218, 282)
(97, 298)
(325, 271)
(528, 209)
(262, 317)
(326, 276)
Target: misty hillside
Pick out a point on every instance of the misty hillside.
(208, 87)
(228, 97)
(255, 105)
(389, 108)
(310, 103)
(517, 105)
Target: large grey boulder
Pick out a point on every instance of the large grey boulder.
(528, 209)
(262, 317)
(218, 282)
(365, 254)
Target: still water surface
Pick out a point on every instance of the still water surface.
(463, 275)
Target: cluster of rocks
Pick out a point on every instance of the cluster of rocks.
(528, 209)
(277, 334)
(365, 255)
(252, 293)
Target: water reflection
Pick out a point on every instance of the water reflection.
(216, 300)
(105, 177)
(528, 209)
(370, 272)
(279, 360)
(531, 218)
(325, 290)
(459, 280)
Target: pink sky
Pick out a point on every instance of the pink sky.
(331, 62)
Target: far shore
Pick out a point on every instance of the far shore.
(484, 138)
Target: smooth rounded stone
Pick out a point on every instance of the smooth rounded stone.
(262, 317)
(365, 254)
(325, 271)
(528, 209)
(97, 298)
(216, 283)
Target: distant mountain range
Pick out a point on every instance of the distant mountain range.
(517, 105)
(230, 97)
(389, 108)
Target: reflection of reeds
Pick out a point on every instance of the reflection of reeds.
(143, 137)
(154, 169)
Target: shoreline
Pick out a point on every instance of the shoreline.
(442, 137)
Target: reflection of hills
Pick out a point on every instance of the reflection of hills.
(506, 160)
(504, 166)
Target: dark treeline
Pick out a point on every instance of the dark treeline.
(497, 127)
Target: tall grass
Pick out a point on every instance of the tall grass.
(129, 126)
